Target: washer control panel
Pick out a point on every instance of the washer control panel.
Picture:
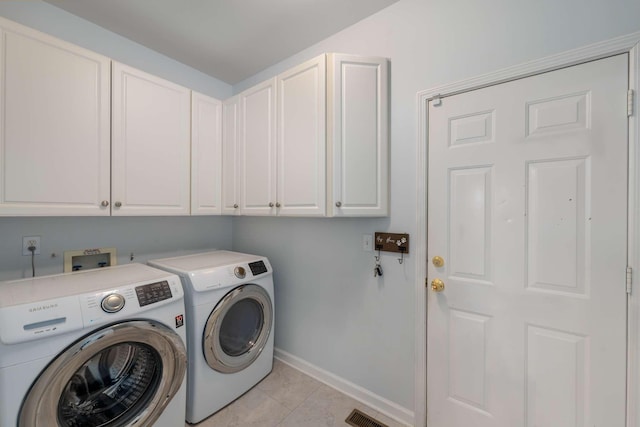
(129, 300)
(153, 292)
(112, 303)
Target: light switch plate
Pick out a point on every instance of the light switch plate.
(367, 242)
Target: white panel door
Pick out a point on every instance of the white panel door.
(301, 153)
(54, 113)
(230, 156)
(528, 209)
(258, 149)
(206, 155)
(358, 137)
(150, 144)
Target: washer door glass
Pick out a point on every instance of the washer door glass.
(238, 329)
(124, 374)
(112, 385)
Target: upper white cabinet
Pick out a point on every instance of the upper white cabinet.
(150, 144)
(283, 145)
(301, 136)
(206, 155)
(231, 156)
(258, 149)
(330, 125)
(54, 116)
(358, 136)
(82, 135)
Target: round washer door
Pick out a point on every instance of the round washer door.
(238, 329)
(124, 374)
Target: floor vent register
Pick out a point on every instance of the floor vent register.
(360, 419)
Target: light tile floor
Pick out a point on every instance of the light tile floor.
(289, 398)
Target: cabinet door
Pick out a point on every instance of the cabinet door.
(54, 115)
(358, 140)
(258, 149)
(206, 155)
(150, 144)
(301, 132)
(230, 156)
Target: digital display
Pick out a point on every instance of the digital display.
(257, 267)
(153, 292)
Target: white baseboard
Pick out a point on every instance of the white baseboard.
(379, 403)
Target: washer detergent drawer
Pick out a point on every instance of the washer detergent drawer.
(27, 322)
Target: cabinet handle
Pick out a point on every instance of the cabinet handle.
(105, 203)
(270, 204)
(277, 204)
(338, 204)
(235, 206)
(118, 204)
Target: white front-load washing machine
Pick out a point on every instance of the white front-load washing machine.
(104, 347)
(230, 315)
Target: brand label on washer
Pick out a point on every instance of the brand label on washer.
(179, 320)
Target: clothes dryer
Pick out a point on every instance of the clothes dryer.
(104, 347)
(229, 307)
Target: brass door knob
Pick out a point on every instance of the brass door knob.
(437, 285)
(437, 261)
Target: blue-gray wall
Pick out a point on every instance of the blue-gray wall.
(145, 237)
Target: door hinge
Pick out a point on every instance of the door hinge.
(630, 99)
(629, 279)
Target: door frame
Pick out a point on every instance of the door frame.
(625, 44)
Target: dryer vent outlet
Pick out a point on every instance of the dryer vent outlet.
(360, 419)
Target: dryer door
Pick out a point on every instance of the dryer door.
(124, 374)
(238, 329)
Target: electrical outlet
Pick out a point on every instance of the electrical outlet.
(28, 241)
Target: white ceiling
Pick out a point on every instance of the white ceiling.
(230, 40)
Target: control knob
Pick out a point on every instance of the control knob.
(240, 272)
(112, 303)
